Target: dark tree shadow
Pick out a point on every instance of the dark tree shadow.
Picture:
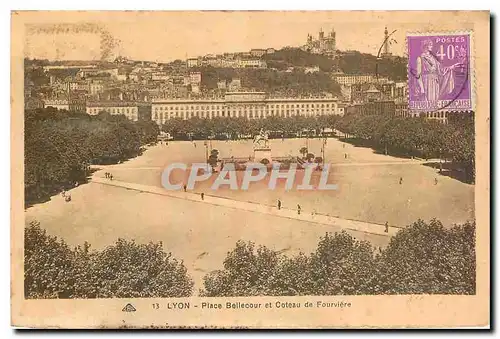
(451, 170)
(45, 193)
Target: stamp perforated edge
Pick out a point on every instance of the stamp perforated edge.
(472, 74)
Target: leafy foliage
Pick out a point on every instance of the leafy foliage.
(124, 270)
(424, 258)
(417, 136)
(235, 128)
(296, 83)
(427, 258)
(60, 146)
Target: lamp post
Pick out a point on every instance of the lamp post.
(206, 150)
(323, 150)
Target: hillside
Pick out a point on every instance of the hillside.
(271, 81)
(295, 57)
(363, 63)
(349, 63)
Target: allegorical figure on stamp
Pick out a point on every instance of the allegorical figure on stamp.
(434, 81)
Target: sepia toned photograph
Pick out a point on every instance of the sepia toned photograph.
(258, 169)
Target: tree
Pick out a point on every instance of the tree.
(303, 151)
(424, 258)
(342, 265)
(122, 270)
(417, 137)
(213, 158)
(427, 258)
(247, 272)
(59, 146)
(309, 157)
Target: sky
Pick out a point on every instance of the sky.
(166, 36)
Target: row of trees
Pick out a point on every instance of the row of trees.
(60, 146)
(417, 136)
(424, 258)
(233, 128)
(393, 135)
(52, 269)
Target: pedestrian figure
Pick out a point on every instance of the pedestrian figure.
(106, 175)
(343, 145)
(435, 181)
(279, 204)
(67, 198)
(110, 176)
(400, 180)
(298, 209)
(386, 227)
(63, 193)
(185, 188)
(202, 196)
(345, 155)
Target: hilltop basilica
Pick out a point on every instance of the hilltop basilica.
(325, 45)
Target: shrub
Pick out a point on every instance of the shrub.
(122, 270)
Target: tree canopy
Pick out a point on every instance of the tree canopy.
(424, 258)
(59, 147)
(124, 270)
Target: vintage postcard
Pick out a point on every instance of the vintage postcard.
(292, 169)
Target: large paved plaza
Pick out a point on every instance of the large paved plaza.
(202, 232)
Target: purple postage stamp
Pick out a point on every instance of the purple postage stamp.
(440, 70)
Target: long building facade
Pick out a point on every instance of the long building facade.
(132, 110)
(250, 105)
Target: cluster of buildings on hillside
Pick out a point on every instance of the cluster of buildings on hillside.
(371, 95)
(251, 59)
(148, 91)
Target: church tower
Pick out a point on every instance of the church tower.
(333, 39)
